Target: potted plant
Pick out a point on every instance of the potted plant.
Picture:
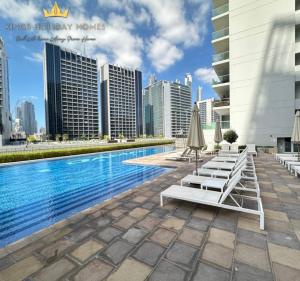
(230, 136)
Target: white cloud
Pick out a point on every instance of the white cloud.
(206, 74)
(20, 11)
(116, 43)
(35, 57)
(162, 53)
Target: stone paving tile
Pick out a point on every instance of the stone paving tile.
(269, 194)
(86, 250)
(276, 215)
(222, 237)
(281, 226)
(134, 235)
(149, 205)
(284, 256)
(118, 212)
(225, 224)
(140, 199)
(249, 224)
(252, 256)
(218, 254)
(206, 272)
(283, 239)
(149, 223)
(244, 272)
(56, 235)
(199, 224)
(138, 213)
(252, 238)
(207, 214)
(6, 262)
(168, 272)
(182, 254)
(149, 253)
(130, 270)
(108, 234)
(55, 271)
(3, 252)
(173, 223)
(23, 242)
(80, 234)
(27, 250)
(101, 222)
(21, 269)
(283, 273)
(56, 248)
(117, 251)
(163, 236)
(182, 213)
(125, 222)
(130, 205)
(95, 270)
(159, 213)
(192, 236)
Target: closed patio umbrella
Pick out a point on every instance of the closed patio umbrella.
(195, 139)
(218, 133)
(296, 132)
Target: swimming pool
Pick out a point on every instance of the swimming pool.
(39, 194)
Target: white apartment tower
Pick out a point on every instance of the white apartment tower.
(121, 101)
(5, 116)
(167, 107)
(257, 60)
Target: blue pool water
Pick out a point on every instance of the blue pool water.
(36, 195)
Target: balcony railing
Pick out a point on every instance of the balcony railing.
(220, 56)
(220, 103)
(222, 79)
(220, 33)
(220, 10)
(224, 125)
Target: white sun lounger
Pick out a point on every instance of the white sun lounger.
(215, 198)
(297, 170)
(251, 149)
(277, 155)
(219, 165)
(289, 164)
(224, 159)
(283, 159)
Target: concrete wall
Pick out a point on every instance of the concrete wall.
(262, 69)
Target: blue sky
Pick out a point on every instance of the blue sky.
(167, 38)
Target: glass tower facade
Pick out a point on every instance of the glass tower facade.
(71, 93)
(167, 108)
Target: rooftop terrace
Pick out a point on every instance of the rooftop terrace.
(132, 238)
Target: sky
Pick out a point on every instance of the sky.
(167, 38)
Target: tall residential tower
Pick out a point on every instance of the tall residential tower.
(71, 93)
(26, 116)
(257, 60)
(167, 107)
(121, 101)
(5, 116)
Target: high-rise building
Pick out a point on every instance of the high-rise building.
(71, 93)
(26, 115)
(5, 115)
(121, 101)
(257, 61)
(167, 108)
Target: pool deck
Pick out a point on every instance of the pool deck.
(130, 238)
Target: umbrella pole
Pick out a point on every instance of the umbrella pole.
(196, 162)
